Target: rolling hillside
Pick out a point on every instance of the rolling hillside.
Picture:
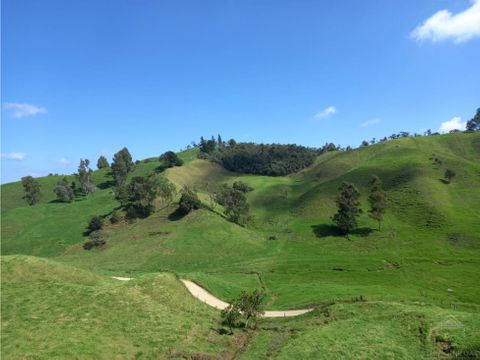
(418, 272)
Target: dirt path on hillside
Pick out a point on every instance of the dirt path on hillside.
(203, 295)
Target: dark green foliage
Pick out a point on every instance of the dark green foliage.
(364, 143)
(449, 175)
(261, 159)
(95, 224)
(348, 205)
(122, 164)
(241, 186)
(170, 159)
(141, 193)
(188, 200)
(96, 239)
(102, 162)
(207, 146)
(85, 176)
(31, 188)
(474, 123)
(64, 191)
(377, 200)
(235, 204)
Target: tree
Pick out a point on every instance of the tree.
(170, 159)
(122, 164)
(220, 141)
(85, 176)
(95, 224)
(207, 146)
(141, 193)
(449, 175)
(364, 143)
(64, 191)
(377, 200)
(250, 305)
(188, 200)
(348, 205)
(230, 315)
(102, 162)
(32, 191)
(474, 124)
(235, 204)
(165, 190)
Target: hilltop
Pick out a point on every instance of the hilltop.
(414, 275)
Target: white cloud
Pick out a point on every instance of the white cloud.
(455, 124)
(64, 161)
(18, 111)
(444, 25)
(329, 111)
(370, 122)
(14, 156)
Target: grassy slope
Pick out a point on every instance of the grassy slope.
(427, 250)
(50, 310)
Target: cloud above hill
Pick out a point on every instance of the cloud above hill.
(13, 156)
(455, 124)
(443, 25)
(17, 110)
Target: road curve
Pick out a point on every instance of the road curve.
(203, 295)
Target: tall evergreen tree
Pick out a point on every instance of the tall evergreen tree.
(31, 188)
(377, 200)
(102, 162)
(122, 164)
(85, 176)
(348, 205)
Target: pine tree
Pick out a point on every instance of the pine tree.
(377, 200)
(102, 162)
(348, 205)
(122, 164)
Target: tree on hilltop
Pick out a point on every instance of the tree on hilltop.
(102, 162)
(122, 164)
(32, 191)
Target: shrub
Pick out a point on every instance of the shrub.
(96, 223)
(97, 239)
(170, 159)
(188, 200)
(116, 217)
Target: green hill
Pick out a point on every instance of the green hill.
(426, 254)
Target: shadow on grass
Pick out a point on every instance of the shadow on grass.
(324, 230)
(176, 215)
(446, 182)
(106, 184)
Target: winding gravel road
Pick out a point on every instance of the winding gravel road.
(203, 295)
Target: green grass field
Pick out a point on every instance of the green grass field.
(418, 274)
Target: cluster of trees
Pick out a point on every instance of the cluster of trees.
(349, 207)
(258, 159)
(170, 159)
(247, 307)
(474, 123)
(234, 201)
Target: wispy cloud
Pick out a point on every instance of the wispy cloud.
(64, 161)
(370, 122)
(455, 124)
(443, 25)
(17, 110)
(325, 113)
(13, 156)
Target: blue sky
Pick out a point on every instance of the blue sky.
(84, 78)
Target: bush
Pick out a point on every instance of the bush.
(170, 159)
(188, 200)
(116, 217)
(97, 239)
(96, 223)
(241, 186)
